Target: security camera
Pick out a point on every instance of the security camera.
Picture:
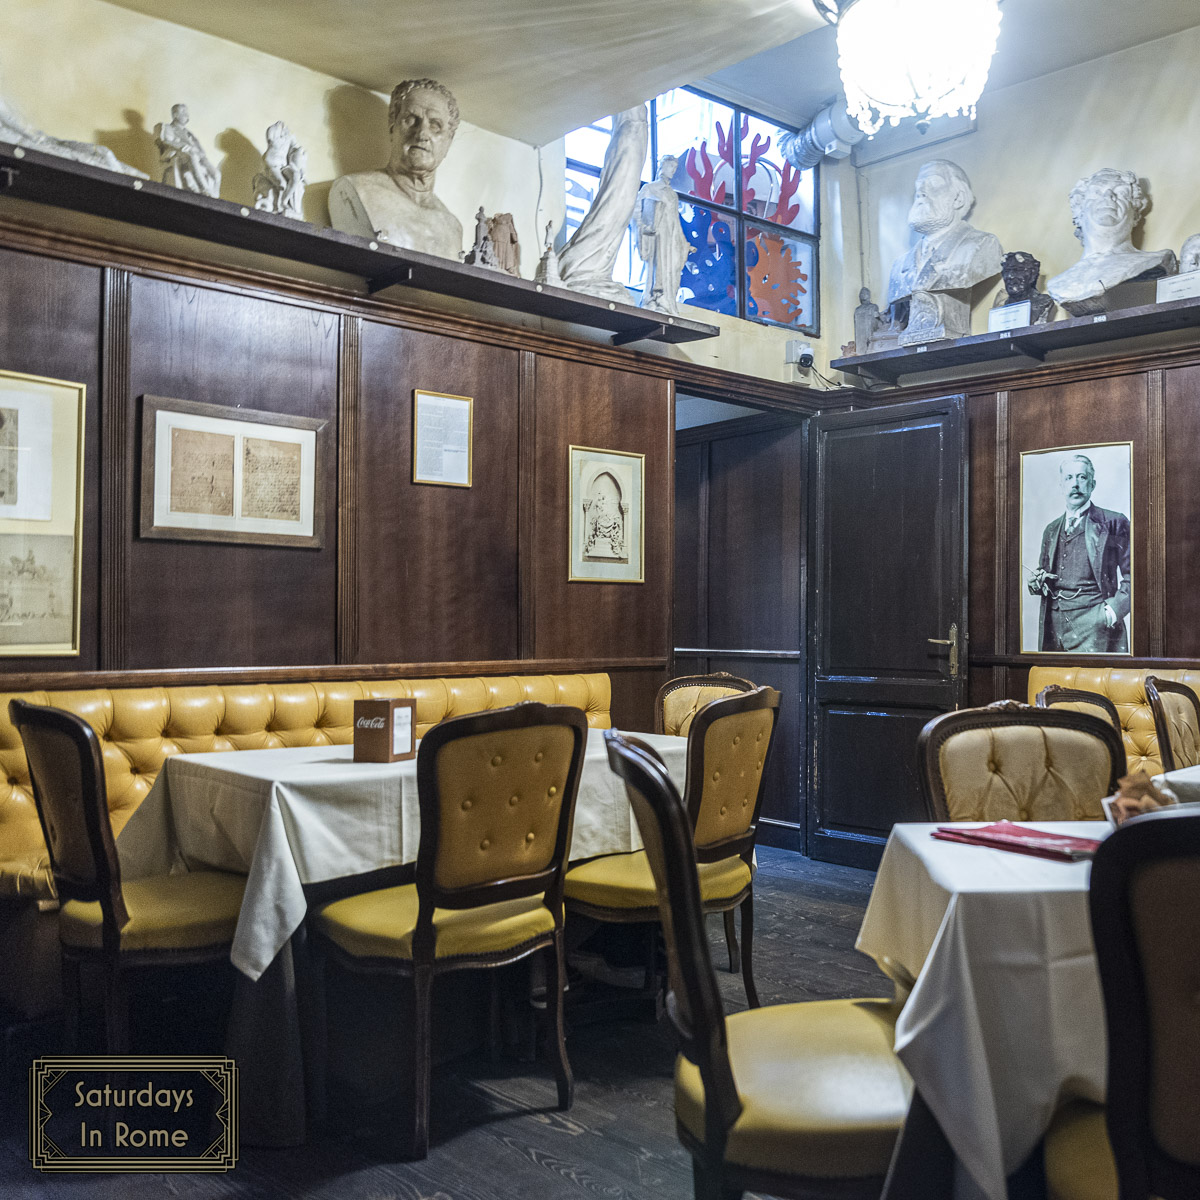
(800, 353)
(806, 356)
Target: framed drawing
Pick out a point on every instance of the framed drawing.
(217, 474)
(1076, 586)
(442, 439)
(607, 489)
(41, 514)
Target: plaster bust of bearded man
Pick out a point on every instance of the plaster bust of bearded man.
(1106, 208)
(397, 204)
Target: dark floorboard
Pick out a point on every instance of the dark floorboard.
(495, 1132)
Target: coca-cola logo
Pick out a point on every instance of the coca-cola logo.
(370, 723)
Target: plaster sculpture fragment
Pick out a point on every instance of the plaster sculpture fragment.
(1189, 255)
(1106, 207)
(18, 132)
(546, 272)
(1020, 271)
(867, 322)
(502, 230)
(929, 293)
(662, 245)
(587, 261)
(279, 187)
(184, 163)
(482, 253)
(397, 203)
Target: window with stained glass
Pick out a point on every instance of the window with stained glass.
(751, 216)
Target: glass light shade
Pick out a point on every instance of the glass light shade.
(915, 58)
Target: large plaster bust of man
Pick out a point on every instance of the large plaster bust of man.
(397, 204)
(1106, 208)
(949, 255)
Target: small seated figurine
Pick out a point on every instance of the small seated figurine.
(1020, 271)
(184, 163)
(279, 186)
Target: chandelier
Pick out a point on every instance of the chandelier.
(912, 58)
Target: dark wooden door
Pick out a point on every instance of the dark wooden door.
(888, 545)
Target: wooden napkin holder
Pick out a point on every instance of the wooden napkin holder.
(385, 730)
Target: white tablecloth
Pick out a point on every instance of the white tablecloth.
(286, 818)
(1005, 1017)
(1185, 783)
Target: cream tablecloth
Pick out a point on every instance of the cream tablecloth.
(286, 818)
(1005, 1017)
(1185, 783)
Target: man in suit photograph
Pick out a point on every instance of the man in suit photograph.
(1083, 570)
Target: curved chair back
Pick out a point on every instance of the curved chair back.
(1176, 709)
(728, 744)
(1014, 762)
(66, 771)
(1145, 906)
(694, 999)
(1077, 700)
(497, 798)
(679, 700)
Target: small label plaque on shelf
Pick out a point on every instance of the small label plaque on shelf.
(1178, 287)
(385, 730)
(1010, 316)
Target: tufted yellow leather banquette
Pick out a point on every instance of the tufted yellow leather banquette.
(139, 728)
(1126, 688)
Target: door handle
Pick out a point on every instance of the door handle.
(952, 642)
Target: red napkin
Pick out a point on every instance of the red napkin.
(1004, 835)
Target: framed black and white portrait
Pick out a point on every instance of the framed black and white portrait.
(1076, 586)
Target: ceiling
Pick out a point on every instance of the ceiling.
(529, 69)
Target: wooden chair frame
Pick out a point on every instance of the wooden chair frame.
(1162, 727)
(694, 1006)
(424, 966)
(994, 716)
(1055, 693)
(715, 679)
(105, 887)
(1142, 1167)
(741, 846)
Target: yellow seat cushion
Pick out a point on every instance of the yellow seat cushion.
(380, 924)
(166, 912)
(822, 1092)
(1079, 1159)
(625, 881)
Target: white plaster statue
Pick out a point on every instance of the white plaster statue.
(397, 203)
(934, 279)
(662, 245)
(18, 132)
(184, 163)
(867, 322)
(1106, 208)
(502, 230)
(587, 261)
(279, 187)
(546, 272)
(1189, 255)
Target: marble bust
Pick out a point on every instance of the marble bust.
(397, 203)
(1020, 271)
(933, 280)
(1106, 207)
(1189, 255)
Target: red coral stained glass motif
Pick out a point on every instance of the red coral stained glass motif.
(775, 278)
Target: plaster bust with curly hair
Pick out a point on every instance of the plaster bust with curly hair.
(1106, 207)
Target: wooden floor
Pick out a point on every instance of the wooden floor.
(495, 1133)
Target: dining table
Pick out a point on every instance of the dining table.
(1002, 1020)
(298, 822)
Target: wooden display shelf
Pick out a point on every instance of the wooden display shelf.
(1033, 341)
(48, 179)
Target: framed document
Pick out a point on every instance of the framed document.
(1077, 549)
(442, 436)
(217, 474)
(41, 514)
(607, 516)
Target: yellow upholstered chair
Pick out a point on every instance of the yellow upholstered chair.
(1176, 709)
(497, 796)
(802, 1100)
(150, 922)
(679, 700)
(1076, 700)
(728, 743)
(1013, 762)
(1145, 909)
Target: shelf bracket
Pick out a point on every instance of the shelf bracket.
(650, 332)
(389, 279)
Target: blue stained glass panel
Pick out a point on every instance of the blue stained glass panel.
(710, 276)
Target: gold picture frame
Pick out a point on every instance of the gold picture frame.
(443, 438)
(1110, 547)
(41, 514)
(607, 526)
(211, 473)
